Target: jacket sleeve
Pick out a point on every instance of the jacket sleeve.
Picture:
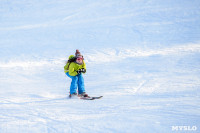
(72, 71)
(65, 67)
(84, 65)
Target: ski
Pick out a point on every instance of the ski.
(91, 98)
(85, 98)
(97, 97)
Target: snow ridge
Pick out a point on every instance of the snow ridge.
(106, 55)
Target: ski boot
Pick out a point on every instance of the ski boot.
(72, 95)
(83, 95)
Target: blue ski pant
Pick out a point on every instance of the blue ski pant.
(76, 81)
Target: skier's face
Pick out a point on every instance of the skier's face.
(79, 60)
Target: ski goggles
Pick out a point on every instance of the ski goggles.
(79, 58)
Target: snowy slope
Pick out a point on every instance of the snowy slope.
(142, 56)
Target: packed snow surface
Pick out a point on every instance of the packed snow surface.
(142, 56)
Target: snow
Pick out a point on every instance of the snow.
(142, 56)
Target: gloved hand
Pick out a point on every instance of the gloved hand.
(79, 71)
(82, 70)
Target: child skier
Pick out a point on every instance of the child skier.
(74, 69)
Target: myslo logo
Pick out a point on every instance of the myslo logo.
(184, 128)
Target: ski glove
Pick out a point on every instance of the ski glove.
(82, 70)
(79, 71)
